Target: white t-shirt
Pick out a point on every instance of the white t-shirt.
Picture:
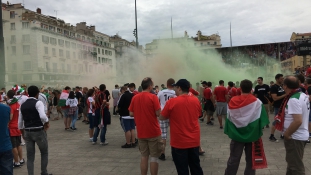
(44, 100)
(165, 95)
(21, 98)
(90, 99)
(72, 102)
(298, 104)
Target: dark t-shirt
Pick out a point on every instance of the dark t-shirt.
(78, 95)
(262, 93)
(107, 95)
(309, 90)
(279, 91)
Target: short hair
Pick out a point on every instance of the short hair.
(291, 82)
(246, 86)
(67, 88)
(33, 91)
(209, 84)
(102, 87)
(85, 88)
(230, 83)
(301, 78)
(77, 87)
(116, 86)
(90, 92)
(10, 94)
(123, 88)
(308, 80)
(132, 85)
(170, 81)
(221, 82)
(277, 76)
(271, 82)
(260, 78)
(146, 83)
(71, 95)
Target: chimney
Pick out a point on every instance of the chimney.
(39, 10)
(199, 35)
(92, 28)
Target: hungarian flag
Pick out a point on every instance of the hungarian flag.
(62, 99)
(245, 119)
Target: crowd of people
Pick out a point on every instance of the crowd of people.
(147, 113)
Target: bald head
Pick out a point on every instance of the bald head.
(291, 82)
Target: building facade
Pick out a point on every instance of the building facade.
(43, 50)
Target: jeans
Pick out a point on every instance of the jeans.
(102, 134)
(184, 158)
(6, 163)
(74, 119)
(276, 111)
(236, 151)
(40, 138)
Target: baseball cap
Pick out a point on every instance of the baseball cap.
(182, 83)
(204, 82)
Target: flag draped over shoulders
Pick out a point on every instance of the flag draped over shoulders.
(245, 119)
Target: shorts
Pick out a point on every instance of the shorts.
(80, 109)
(16, 141)
(91, 120)
(209, 106)
(164, 126)
(127, 124)
(85, 112)
(221, 108)
(151, 146)
(276, 111)
(65, 112)
(115, 101)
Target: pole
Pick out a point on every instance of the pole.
(231, 41)
(136, 25)
(172, 27)
(304, 61)
(2, 56)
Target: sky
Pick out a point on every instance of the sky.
(252, 21)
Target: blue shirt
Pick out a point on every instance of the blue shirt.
(5, 141)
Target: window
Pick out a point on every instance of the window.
(63, 67)
(83, 38)
(13, 50)
(25, 25)
(67, 54)
(78, 36)
(14, 67)
(120, 43)
(46, 50)
(13, 39)
(54, 52)
(103, 60)
(73, 45)
(60, 42)
(106, 52)
(98, 60)
(74, 55)
(61, 53)
(68, 68)
(54, 67)
(215, 43)
(12, 26)
(52, 28)
(208, 43)
(98, 50)
(26, 49)
(26, 38)
(27, 77)
(110, 53)
(12, 14)
(45, 39)
(47, 66)
(67, 43)
(103, 51)
(53, 41)
(27, 65)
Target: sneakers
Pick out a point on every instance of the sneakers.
(91, 140)
(308, 141)
(209, 123)
(126, 145)
(73, 128)
(103, 143)
(16, 165)
(221, 127)
(22, 161)
(212, 118)
(22, 144)
(201, 119)
(93, 143)
(273, 139)
(162, 157)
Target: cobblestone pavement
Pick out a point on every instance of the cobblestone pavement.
(71, 153)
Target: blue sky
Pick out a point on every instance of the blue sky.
(253, 21)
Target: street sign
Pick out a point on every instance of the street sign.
(304, 49)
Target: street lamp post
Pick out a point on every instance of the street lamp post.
(136, 31)
(2, 58)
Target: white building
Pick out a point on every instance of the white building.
(43, 50)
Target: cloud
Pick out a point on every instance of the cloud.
(252, 21)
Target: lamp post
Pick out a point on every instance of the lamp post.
(136, 31)
(2, 58)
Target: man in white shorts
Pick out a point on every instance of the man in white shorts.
(163, 96)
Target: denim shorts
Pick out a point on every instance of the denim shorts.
(127, 124)
(91, 120)
(276, 111)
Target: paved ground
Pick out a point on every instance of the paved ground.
(70, 153)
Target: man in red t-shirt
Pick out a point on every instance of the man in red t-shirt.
(183, 112)
(232, 91)
(221, 96)
(308, 71)
(145, 108)
(209, 103)
(15, 133)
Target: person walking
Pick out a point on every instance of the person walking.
(246, 113)
(72, 102)
(222, 97)
(183, 113)
(34, 123)
(115, 95)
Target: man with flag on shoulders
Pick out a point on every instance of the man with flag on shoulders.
(245, 120)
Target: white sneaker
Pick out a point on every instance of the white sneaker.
(105, 143)
(22, 144)
(91, 139)
(93, 143)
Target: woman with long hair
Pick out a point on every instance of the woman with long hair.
(72, 114)
(91, 111)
